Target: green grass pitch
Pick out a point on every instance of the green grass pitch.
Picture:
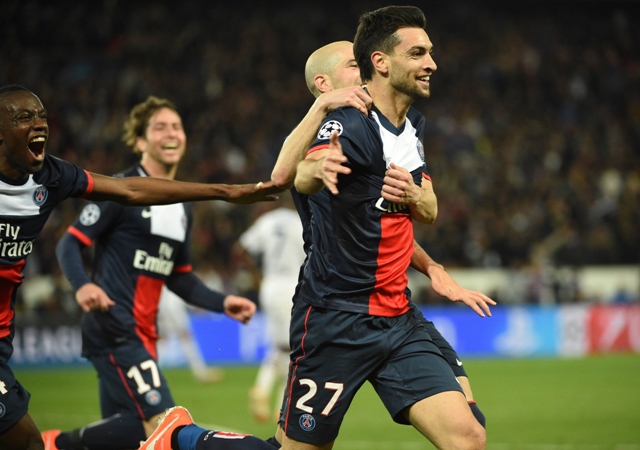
(550, 404)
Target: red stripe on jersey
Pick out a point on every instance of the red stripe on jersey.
(183, 269)
(317, 148)
(90, 184)
(79, 235)
(427, 176)
(145, 311)
(10, 278)
(126, 385)
(294, 368)
(394, 255)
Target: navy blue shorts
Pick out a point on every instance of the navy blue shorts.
(335, 352)
(14, 399)
(445, 348)
(130, 380)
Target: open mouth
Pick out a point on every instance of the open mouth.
(36, 145)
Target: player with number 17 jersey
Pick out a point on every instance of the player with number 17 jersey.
(137, 250)
(342, 276)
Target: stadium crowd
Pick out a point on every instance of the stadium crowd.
(533, 126)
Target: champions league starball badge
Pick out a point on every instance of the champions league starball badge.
(90, 214)
(328, 128)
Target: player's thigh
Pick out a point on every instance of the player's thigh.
(23, 435)
(130, 380)
(333, 353)
(466, 388)
(446, 420)
(414, 370)
(443, 345)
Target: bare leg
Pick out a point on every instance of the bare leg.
(151, 424)
(446, 420)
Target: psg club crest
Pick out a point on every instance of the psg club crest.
(307, 422)
(153, 397)
(328, 128)
(420, 150)
(40, 195)
(3, 410)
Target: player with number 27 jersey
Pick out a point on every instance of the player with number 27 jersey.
(363, 217)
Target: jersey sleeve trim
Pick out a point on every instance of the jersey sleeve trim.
(89, 184)
(427, 176)
(317, 148)
(79, 235)
(183, 269)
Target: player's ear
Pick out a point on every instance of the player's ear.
(141, 144)
(323, 82)
(380, 62)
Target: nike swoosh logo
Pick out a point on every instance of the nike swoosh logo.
(146, 213)
(458, 362)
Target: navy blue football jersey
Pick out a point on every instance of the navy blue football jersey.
(136, 250)
(25, 206)
(361, 244)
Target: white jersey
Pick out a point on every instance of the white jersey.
(276, 237)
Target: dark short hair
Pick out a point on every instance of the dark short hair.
(377, 32)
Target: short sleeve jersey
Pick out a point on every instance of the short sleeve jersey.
(136, 250)
(25, 207)
(362, 244)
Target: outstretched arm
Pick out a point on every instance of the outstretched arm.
(295, 147)
(142, 191)
(443, 284)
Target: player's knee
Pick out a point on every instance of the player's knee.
(475, 438)
(468, 435)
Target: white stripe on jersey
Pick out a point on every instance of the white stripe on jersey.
(401, 150)
(169, 221)
(18, 200)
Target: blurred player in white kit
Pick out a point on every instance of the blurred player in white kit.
(274, 243)
(174, 322)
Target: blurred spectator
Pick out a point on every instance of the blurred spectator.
(533, 135)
